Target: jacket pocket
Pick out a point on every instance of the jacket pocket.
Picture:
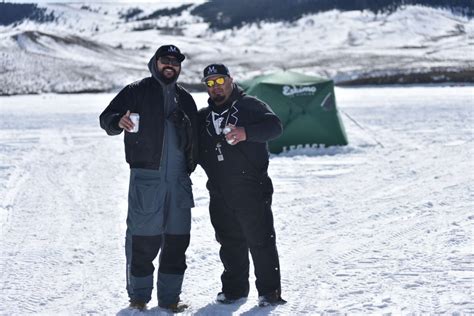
(130, 141)
(131, 138)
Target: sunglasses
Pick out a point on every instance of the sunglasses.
(170, 61)
(219, 81)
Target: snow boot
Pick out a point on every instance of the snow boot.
(175, 308)
(141, 306)
(273, 298)
(223, 299)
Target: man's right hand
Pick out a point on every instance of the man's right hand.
(125, 122)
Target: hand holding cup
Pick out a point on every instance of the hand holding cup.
(129, 122)
(234, 134)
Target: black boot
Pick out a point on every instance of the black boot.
(272, 298)
(141, 306)
(225, 299)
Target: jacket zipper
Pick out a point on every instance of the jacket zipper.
(164, 132)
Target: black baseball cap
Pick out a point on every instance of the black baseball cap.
(215, 69)
(169, 50)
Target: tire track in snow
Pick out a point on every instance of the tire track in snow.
(39, 229)
(18, 153)
(47, 251)
(342, 265)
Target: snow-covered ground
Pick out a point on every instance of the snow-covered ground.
(363, 229)
(90, 48)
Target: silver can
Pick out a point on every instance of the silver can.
(135, 118)
(226, 131)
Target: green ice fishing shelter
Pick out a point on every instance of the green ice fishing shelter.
(306, 105)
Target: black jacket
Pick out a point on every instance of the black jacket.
(144, 149)
(244, 164)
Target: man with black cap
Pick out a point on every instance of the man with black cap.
(161, 149)
(233, 134)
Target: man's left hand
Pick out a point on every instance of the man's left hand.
(236, 135)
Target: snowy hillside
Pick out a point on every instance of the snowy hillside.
(96, 47)
(362, 230)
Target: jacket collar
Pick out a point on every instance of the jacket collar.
(237, 94)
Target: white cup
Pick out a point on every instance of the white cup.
(135, 118)
(226, 131)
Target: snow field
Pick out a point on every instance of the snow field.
(362, 229)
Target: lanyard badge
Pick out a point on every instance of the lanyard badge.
(220, 156)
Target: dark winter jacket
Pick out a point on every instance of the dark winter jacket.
(144, 149)
(244, 165)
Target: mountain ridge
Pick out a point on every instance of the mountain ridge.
(224, 14)
(103, 47)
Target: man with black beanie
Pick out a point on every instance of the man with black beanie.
(233, 134)
(159, 119)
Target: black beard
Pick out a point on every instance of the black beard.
(166, 79)
(218, 98)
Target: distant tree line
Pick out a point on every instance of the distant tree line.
(224, 14)
(165, 12)
(130, 14)
(15, 12)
